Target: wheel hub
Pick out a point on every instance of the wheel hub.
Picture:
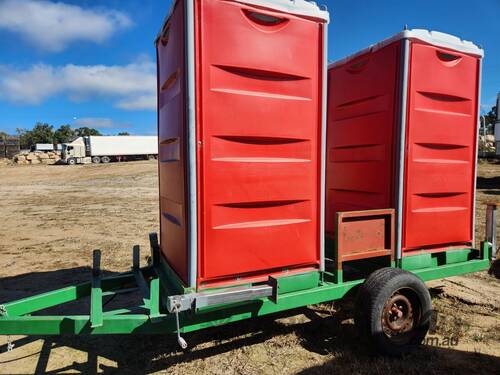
(397, 317)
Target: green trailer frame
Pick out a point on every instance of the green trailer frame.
(158, 283)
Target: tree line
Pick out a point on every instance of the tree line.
(45, 133)
(489, 121)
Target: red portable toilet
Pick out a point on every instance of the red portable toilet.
(402, 133)
(241, 98)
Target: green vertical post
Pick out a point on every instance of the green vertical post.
(339, 276)
(155, 248)
(486, 250)
(96, 319)
(136, 257)
(154, 299)
(337, 262)
(139, 277)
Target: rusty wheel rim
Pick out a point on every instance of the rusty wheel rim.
(399, 317)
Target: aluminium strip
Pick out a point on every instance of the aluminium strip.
(323, 148)
(191, 301)
(233, 295)
(191, 131)
(405, 53)
(476, 152)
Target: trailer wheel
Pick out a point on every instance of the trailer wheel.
(96, 159)
(106, 159)
(151, 157)
(393, 311)
(71, 161)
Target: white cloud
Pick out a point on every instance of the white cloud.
(98, 123)
(138, 102)
(30, 86)
(132, 86)
(53, 25)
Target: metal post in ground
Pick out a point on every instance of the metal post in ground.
(491, 228)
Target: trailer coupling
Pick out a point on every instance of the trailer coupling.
(192, 301)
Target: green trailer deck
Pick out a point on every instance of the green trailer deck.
(157, 282)
(398, 304)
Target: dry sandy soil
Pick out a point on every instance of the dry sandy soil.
(52, 217)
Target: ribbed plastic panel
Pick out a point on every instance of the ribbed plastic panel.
(441, 144)
(361, 136)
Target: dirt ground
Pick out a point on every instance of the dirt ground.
(52, 217)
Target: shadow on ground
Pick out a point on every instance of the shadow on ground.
(427, 360)
(25, 285)
(491, 184)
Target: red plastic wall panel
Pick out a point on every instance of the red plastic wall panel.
(441, 142)
(362, 114)
(259, 129)
(172, 142)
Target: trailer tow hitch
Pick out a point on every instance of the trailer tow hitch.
(193, 301)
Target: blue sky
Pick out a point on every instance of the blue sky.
(92, 62)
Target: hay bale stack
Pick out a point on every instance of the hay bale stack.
(4, 161)
(487, 143)
(37, 157)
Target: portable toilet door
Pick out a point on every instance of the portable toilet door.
(437, 197)
(241, 89)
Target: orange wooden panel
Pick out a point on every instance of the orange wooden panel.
(364, 234)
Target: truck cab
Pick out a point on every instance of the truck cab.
(74, 152)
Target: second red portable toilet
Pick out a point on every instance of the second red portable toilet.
(402, 133)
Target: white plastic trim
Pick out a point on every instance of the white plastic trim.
(191, 135)
(476, 166)
(434, 38)
(324, 104)
(403, 96)
(296, 7)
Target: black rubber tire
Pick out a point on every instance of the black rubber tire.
(71, 161)
(495, 268)
(373, 295)
(105, 159)
(151, 157)
(96, 159)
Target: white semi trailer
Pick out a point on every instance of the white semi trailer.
(45, 147)
(104, 149)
